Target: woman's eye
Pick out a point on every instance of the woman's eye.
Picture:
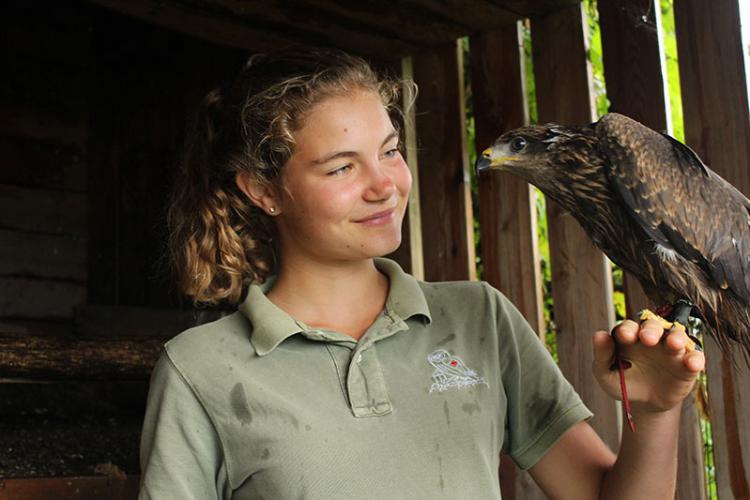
(340, 170)
(518, 144)
(392, 153)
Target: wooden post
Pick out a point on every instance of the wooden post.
(717, 127)
(581, 279)
(507, 215)
(447, 235)
(635, 73)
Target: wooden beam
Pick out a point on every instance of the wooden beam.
(71, 358)
(447, 228)
(581, 279)
(313, 24)
(717, 127)
(507, 214)
(223, 30)
(79, 488)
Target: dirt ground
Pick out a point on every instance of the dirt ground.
(68, 429)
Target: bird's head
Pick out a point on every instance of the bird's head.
(544, 155)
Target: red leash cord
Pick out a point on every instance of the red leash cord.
(624, 389)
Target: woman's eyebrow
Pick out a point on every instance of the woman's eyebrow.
(350, 154)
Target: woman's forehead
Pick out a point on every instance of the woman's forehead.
(358, 117)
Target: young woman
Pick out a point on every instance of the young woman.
(340, 376)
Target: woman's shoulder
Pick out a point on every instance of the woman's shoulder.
(454, 290)
(210, 339)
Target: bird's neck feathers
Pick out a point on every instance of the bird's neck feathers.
(578, 171)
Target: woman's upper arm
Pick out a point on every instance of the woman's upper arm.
(575, 466)
(181, 454)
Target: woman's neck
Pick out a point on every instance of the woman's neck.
(343, 297)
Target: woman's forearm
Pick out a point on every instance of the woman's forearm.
(646, 466)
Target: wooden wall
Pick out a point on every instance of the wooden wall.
(93, 106)
(43, 185)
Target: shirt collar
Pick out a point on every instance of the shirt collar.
(271, 325)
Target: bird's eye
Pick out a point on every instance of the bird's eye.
(518, 144)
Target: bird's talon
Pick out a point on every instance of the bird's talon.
(646, 314)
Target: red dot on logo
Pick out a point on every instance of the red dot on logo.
(454, 363)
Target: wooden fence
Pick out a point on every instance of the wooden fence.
(79, 201)
(717, 126)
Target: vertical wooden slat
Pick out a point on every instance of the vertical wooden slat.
(717, 126)
(507, 215)
(635, 72)
(581, 280)
(447, 232)
(414, 215)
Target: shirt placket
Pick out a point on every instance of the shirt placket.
(366, 387)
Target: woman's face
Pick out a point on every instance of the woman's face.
(346, 186)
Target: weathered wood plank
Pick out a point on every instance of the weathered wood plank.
(92, 320)
(42, 210)
(78, 488)
(447, 231)
(717, 127)
(636, 86)
(34, 163)
(581, 279)
(39, 299)
(70, 358)
(507, 214)
(42, 256)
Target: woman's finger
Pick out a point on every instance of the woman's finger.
(626, 332)
(650, 332)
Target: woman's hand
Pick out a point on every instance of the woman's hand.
(662, 370)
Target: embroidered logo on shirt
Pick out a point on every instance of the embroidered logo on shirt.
(451, 372)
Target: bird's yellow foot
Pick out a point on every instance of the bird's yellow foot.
(669, 326)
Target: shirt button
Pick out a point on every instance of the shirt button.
(359, 358)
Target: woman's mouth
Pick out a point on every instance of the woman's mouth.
(378, 218)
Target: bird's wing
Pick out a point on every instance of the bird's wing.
(680, 203)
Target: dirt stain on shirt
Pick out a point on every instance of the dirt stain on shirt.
(238, 403)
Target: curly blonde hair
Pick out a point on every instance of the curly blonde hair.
(219, 241)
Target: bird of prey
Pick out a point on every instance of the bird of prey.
(651, 205)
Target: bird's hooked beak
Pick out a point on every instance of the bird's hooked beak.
(489, 160)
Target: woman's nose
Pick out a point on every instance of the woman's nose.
(380, 184)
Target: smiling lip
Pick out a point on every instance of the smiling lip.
(378, 218)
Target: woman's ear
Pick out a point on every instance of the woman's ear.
(262, 194)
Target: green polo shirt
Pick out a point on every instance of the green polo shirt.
(258, 405)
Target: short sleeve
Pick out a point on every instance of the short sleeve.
(181, 455)
(542, 404)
